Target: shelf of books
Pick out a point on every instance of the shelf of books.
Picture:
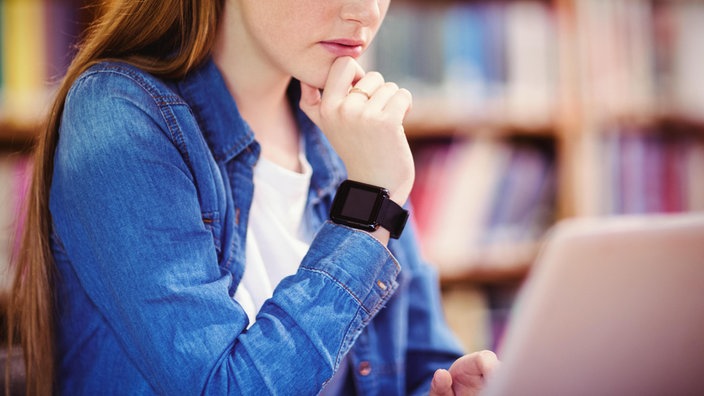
(638, 145)
(527, 112)
(484, 128)
(36, 45)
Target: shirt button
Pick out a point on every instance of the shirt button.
(365, 368)
(381, 285)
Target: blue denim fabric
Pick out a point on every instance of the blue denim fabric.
(150, 196)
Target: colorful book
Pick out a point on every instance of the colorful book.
(466, 46)
(62, 29)
(674, 174)
(688, 54)
(474, 172)
(2, 53)
(24, 58)
(694, 174)
(525, 200)
(431, 183)
(531, 62)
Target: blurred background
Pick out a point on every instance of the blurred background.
(525, 112)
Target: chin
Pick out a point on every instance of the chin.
(315, 72)
(314, 80)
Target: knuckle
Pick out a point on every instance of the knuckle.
(375, 75)
(406, 93)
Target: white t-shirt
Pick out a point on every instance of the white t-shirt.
(276, 242)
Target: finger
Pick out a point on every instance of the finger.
(441, 384)
(345, 71)
(382, 96)
(369, 84)
(399, 104)
(487, 362)
(470, 372)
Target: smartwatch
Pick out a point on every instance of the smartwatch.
(366, 207)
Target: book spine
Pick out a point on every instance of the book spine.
(688, 54)
(2, 55)
(61, 33)
(695, 175)
(23, 58)
(480, 54)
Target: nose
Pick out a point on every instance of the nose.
(364, 12)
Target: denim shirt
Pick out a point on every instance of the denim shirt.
(150, 197)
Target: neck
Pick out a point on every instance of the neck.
(260, 93)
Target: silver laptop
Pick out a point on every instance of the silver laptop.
(612, 307)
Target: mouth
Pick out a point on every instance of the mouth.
(344, 47)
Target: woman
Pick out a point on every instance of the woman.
(152, 265)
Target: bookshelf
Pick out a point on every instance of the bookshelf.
(37, 39)
(541, 109)
(487, 118)
(608, 90)
(36, 43)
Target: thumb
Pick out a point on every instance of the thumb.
(441, 384)
(310, 102)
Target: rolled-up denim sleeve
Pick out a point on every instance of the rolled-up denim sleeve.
(124, 205)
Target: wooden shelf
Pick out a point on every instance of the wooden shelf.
(678, 123)
(487, 275)
(491, 265)
(436, 117)
(16, 135)
(438, 113)
(4, 299)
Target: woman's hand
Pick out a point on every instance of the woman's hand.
(466, 376)
(362, 117)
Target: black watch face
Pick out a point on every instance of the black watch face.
(357, 205)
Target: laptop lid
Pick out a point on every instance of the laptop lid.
(612, 307)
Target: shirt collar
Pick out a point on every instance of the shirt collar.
(215, 110)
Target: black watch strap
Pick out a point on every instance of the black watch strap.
(392, 217)
(367, 207)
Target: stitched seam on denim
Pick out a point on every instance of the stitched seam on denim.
(391, 255)
(139, 77)
(246, 141)
(162, 100)
(351, 336)
(384, 296)
(158, 97)
(176, 133)
(227, 264)
(347, 289)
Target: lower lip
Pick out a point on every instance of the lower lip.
(342, 50)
